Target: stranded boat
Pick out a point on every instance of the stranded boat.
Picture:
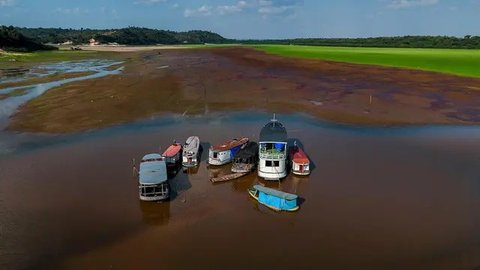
(274, 199)
(223, 153)
(191, 150)
(245, 160)
(152, 178)
(300, 161)
(273, 151)
(173, 154)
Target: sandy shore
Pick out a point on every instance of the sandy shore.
(227, 79)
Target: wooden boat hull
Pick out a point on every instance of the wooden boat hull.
(218, 162)
(253, 193)
(227, 177)
(242, 168)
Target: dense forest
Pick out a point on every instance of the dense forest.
(27, 39)
(12, 40)
(468, 42)
(127, 36)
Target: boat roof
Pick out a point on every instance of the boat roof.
(172, 150)
(191, 144)
(276, 193)
(153, 170)
(274, 131)
(298, 156)
(249, 150)
(229, 144)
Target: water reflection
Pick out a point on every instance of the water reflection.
(155, 214)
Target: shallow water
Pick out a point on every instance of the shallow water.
(9, 105)
(378, 198)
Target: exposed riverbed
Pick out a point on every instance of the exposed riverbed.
(96, 67)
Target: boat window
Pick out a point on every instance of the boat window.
(268, 163)
(215, 154)
(272, 148)
(276, 163)
(152, 159)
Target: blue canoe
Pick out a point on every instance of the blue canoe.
(274, 199)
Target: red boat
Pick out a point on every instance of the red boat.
(173, 154)
(300, 161)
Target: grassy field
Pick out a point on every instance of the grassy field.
(451, 61)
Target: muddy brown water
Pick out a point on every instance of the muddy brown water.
(393, 198)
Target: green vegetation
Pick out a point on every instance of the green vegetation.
(12, 40)
(441, 42)
(453, 61)
(127, 36)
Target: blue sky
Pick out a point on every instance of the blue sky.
(256, 18)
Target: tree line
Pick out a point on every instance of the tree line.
(446, 42)
(30, 39)
(126, 36)
(13, 40)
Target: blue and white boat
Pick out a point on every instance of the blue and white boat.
(223, 153)
(152, 178)
(274, 199)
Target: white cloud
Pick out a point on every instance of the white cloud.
(7, 3)
(228, 9)
(149, 2)
(72, 11)
(201, 11)
(278, 7)
(176, 5)
(262, 7)
(399, 4)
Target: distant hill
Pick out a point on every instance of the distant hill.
(12, 40)
(126, 36)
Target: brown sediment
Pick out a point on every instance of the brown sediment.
(371, 202)
(46, 79)
(226, 79)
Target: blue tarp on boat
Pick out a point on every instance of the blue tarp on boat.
(235, 150)
(275, 198)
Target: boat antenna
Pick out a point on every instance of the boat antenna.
(274, 120)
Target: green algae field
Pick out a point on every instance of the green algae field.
(462, 62)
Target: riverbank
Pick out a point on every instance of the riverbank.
(199, 81)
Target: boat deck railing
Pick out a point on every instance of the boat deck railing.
(267, 155)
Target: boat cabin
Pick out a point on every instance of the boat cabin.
(300, 161)
(173, 154)
(246, 158)
(273, 151)
(191, 152)
(152, 178)
(223, 153)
